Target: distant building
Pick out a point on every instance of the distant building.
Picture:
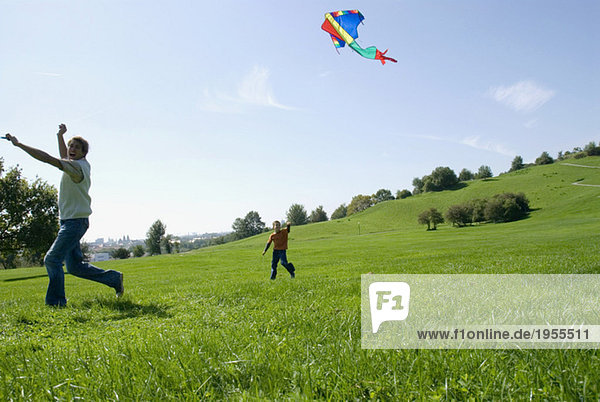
(100, 257)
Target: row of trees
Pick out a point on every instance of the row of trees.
(505, 207)
(444, 178)
(591, 149)
(252, 223)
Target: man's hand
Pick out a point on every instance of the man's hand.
(62, 129)
(263, 253)
(12, 139)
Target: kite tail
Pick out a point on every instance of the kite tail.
(381, 56)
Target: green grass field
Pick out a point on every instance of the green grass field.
(209, 324)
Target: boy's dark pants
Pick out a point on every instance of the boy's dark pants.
(281, 255)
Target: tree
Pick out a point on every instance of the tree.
(591, 149)
(120, 253)
(506, 207)
(296, 215)
(138, 251)
(248, 226)
(430, 217)
(254, 224)
(418, 185)
(382, 195)
(359, 203)
(544, 159)
(517, 164)
(318, 215)
(28, 218)
(155, 235)
(340, 212)
(167, 243)
(403, 194)
(477, 207)
(459, 214)
(484, 172)
(441, 178)
(86, 250)
(465, 175)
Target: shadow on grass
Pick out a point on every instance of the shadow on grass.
(25, 278)
(127, 308)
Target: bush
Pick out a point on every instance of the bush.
(138, 251)
(120, 253)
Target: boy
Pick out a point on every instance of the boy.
(280, 239)
(74, 205)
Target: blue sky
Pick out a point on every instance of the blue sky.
(198, 112)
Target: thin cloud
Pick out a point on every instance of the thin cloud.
(472, 141)
(47, 74)
(524, 96)
(475, 142)
(253, 90)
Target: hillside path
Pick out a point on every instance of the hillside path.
(584, 166)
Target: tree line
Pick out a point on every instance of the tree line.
(29, 211)
(504, 207)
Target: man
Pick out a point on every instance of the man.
(74, 205)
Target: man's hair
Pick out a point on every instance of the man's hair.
(276, 223)
(85, 147)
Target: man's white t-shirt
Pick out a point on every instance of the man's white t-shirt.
(74, 200)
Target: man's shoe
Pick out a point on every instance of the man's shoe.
(293, 275)
(121, 289)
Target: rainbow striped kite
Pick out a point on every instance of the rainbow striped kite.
(342, 26)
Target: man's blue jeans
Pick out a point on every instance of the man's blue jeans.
(66, 248)
(281, 255)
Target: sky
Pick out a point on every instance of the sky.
(198, 112)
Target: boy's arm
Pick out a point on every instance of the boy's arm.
(288, 225)
(36, 153)
(267, 246)
(62, 147)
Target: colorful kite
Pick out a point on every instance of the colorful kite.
(342, 26)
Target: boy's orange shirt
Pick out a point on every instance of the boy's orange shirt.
(280, 240)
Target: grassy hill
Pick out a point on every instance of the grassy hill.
(208, 324)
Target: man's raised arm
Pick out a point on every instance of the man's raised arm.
(36, 153)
